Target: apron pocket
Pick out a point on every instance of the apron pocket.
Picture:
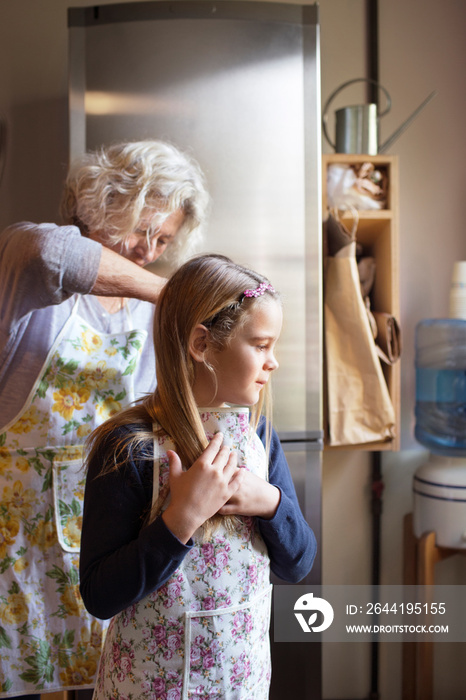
(227, 654)
(68, 496)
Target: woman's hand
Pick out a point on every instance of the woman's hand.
(255, 497)
(202, 490)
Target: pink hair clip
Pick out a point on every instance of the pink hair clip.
(259, 291)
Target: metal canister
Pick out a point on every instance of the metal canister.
(356, 129)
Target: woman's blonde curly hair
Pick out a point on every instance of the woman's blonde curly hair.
(108, 189)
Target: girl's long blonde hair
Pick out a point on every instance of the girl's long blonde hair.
(207, 290)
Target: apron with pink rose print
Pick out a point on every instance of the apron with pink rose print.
(204, 634)
(47, 639)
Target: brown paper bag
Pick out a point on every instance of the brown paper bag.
(386, 333)
(359, 405)
(388, 337)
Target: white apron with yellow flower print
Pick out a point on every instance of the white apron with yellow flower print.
(204, 634)
(47, 639)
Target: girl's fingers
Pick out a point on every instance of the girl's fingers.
(214, 446)
(174, 462)
(231, 467)
(237, 479)
(220, 456)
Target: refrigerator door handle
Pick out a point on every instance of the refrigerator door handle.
(309, 439)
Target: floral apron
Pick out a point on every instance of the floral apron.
(47, 640)
(204, 633)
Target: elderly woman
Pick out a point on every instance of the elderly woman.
(76, 310)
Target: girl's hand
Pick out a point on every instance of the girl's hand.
(255, 497)
(200, 492)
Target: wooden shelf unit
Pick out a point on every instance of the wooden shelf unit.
(378, 233)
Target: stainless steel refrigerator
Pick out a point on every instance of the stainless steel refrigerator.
(238, 85)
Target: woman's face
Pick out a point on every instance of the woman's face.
(143, 249)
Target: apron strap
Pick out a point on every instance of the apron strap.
(129, 315)
(159, 495)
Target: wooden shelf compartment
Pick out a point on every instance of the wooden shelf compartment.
(388, 164)
(377, 232)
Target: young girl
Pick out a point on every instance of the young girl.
(181, 556)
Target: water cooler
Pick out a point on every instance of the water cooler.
(439, 485)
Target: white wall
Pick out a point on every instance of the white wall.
(422, 48)
(424, 43)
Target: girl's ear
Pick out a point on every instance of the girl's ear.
(198, 343)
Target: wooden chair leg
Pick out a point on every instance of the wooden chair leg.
(408, 691)
(419, 559)
(428, 556)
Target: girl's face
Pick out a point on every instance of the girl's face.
(244, 366)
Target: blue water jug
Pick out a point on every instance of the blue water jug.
(441, 386)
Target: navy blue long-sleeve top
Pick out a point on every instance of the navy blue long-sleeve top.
(123, 559)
